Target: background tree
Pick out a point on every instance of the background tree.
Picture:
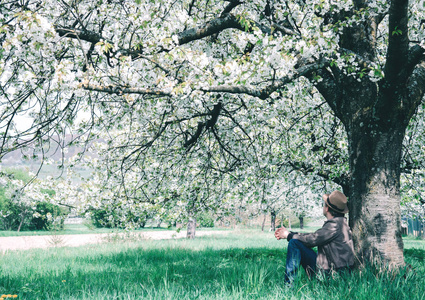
(194, 73)
(23, 209)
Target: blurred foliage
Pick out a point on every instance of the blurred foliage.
(20, 216)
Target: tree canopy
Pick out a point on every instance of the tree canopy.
(212, 93)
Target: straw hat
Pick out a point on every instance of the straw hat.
(336, 201)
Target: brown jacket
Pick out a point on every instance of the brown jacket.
(334, 244)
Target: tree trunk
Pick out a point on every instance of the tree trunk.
(273, 221)
(301, 222)
(21, 222)
(375, 116)
(264, 222)
(374, 193)
(423, 230)
(191, 228)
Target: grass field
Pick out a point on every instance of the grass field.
(246, 264)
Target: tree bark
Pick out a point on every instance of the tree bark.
(21, 222)
(301, 218)
(273, 221)
(423, 230)
(191, 228)
(264, 222)
(374, 194)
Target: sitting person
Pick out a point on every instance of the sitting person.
(333, 240)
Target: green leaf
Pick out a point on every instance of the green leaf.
(397, 31)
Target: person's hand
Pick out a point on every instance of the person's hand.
(281, 233)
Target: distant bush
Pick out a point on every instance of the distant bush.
(205, 220)
(17, 214)
(21, 217)
(51, 217)
(102, 218)
(12, 215)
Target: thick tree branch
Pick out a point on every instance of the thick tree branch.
(195, 136)
(285, 30)
(264, 93)
(398, 43)
(225, 21)
(209, 124)
(416, 88)
(120, 90)
(232, 4)
(212, 27)
(75, 33)
(93, 38)
(415, 57)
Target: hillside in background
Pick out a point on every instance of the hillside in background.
(55, 154)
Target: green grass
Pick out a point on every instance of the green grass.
(246, 264)
(413, 242)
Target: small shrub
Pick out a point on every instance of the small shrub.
(100, 219)
(205, 220)
(47, 215)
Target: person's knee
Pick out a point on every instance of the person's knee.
(294, 243)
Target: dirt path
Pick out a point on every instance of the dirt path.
(75, 240)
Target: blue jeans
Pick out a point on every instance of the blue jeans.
(299, 254)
